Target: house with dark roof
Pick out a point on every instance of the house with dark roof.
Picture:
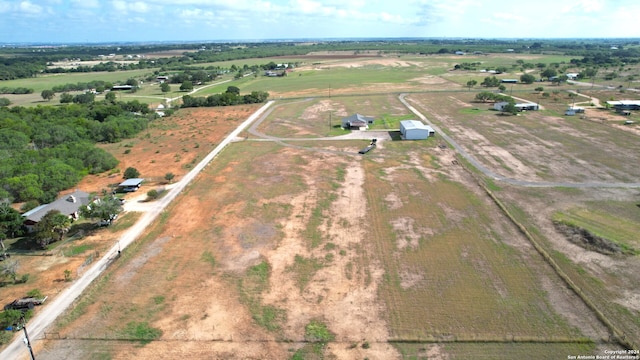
(357, 121)
(68, 205)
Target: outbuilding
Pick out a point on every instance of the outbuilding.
(129, 185)
(415, 130)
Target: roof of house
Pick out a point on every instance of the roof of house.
(67, 205)
(415, 124)
(131, 182)
(357, 119)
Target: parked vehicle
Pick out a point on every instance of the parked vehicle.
(26, 303)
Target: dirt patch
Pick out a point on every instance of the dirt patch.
(587, 240)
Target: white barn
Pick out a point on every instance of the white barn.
(415, 130)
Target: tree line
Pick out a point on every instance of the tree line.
(230, 97)
(24, 63)
(46, 149)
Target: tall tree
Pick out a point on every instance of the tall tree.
(471, 83)
(131, 173)
(527, 78)
(549, 73)
(187, 85)
(103, 209)
(165, 87)
(51, 228)
(47, 94)
(10, 221)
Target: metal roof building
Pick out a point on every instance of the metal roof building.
(415, 130)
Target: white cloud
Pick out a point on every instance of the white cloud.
(89, 4)
(124, 6)
(119, 5)
(139, 6)
(28, 7)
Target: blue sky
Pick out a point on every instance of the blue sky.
(71, 21)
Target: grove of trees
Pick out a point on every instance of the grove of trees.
(46, 149)
(230, 97)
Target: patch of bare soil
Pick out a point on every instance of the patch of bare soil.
(589, 241)
(170, 145)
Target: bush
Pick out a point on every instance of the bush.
(153, 194)
(36, 293)
(131, 173)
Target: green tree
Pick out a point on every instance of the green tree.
(152, 194)
(484, 96)
(510, 108)
(105, 208)
(47, 94)
(549, 73)
(165, 87)
(4, 102)
(51, 228)
(187, 85)
(169, 176)
(471, 83)
(66, 98)
(490, 82)
(233, 90)
(10, 222)
(131, 173)
(527, 78)
(560, 79)
(110, 96)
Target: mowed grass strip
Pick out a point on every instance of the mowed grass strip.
(465, 281)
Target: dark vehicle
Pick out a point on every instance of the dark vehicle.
(366, 150)
(26, 303)
(372, 144)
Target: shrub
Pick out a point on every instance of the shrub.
(153, 194)
(131, 173)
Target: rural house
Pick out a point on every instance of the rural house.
(356, 121)
(520, 106)
(415, 130)
(67, 205)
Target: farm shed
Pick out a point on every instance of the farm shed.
(509, 81)
(520, 106)
(122, 87)
(67, 205)
(356, 121)
(415, 130)
(625, 104)
(130, 185)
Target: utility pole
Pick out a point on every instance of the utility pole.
(26, 338)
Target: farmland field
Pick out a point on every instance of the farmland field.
(290, 245)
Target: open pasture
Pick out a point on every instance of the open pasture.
(399, 247)
(303, 249)
(534, 145)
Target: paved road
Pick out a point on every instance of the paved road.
(488, 172)
(51, 310)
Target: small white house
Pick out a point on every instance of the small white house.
(520, 106)
(415, 130)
